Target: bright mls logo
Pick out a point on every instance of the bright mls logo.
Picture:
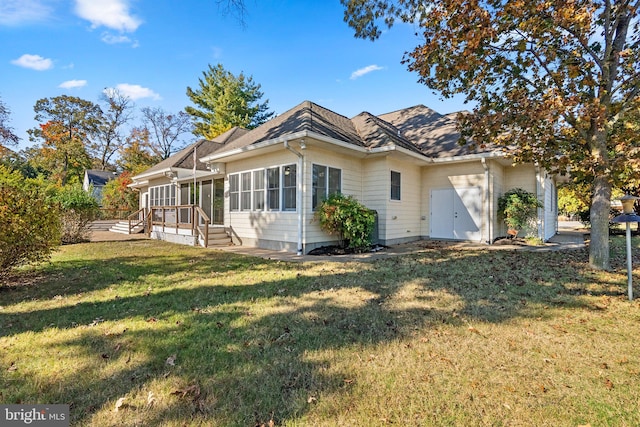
(34, 415)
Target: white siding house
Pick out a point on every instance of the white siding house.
(261, 186)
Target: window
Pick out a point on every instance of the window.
(325, 182)
(395, 185)
(234, 192)
(258, 190)
(245, 191)
(264, 189)
(273, 189)
(289, 188)
(163, 195)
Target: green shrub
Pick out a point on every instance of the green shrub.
(77, 209)
(519, 208)
(29, 223)
(349, 219)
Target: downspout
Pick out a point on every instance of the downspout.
(487, 195)
(299, 198)
(541, 223)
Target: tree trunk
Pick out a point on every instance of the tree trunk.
(600, 207)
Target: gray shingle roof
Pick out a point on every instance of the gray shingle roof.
(99, 178)
(436, 135)
(378, 133)
(306, 116)
(183, 159)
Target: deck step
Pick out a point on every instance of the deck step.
(122, 227)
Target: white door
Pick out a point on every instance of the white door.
(456, 213)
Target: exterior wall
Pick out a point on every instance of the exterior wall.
(277, 230)
(402, 218)
(451, 176)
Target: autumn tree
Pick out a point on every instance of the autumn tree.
(110, 137)
(165, 130)
(63, 156)
(135, 155)
(67, 125)
(223, 101)
(556, 82)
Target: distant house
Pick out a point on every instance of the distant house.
(97, 179)
(262, 186)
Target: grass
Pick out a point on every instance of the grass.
(146, 333)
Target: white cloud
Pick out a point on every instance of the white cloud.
(112, 14)
(113, 39)
(18, 12)
(35, 62)
(136, 91)
(366, 70)
(70, 84)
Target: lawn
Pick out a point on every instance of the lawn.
(146, 333)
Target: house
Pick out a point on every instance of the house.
(96, 179)
(262, 186)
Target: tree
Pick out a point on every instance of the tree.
(69, 124)
(29, 222)
(109, 137)
(135, 155)
(556, 82)
(63, 158)
(165, 130)
(117, 195)
(223, 101)
(7, 135)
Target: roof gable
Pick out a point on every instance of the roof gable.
(436, 135)
(306, 116)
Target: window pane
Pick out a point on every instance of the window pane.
(289, 188)
(395, 185)
(245, 191)
(335, 181)
(258, 190)
(273, 189)
(319, 187)
(234, 192)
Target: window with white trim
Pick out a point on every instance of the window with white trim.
(289, 187)
(162, 195)
(395, 185)
(325, 182)
(245, 191)
(258, 190)
(273, 189)
(234, 192)
(270, 189)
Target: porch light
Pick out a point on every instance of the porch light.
(628, 216)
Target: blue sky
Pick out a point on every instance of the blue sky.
(152, 50)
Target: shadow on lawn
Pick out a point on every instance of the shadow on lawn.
(246, 354)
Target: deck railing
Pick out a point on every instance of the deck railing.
(136, 219)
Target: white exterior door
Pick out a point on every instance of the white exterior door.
(456, 213)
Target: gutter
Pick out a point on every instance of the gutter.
(299, 201)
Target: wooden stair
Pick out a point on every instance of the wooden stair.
(218, 236)
(122, 227)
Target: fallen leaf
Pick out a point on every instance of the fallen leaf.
(608, 383)
(152, 320)
(311, 399)
(13, 367)
(171, 360)
(192, 390)
(151, 399)
(119, 403)
(104, 356)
